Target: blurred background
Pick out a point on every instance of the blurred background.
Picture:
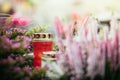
(43, 12)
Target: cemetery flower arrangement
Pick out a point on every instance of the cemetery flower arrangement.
(15, 39)
(84, 51)
(15, 43)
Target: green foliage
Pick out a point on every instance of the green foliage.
(37, 29)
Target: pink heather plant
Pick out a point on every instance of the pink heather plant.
(115, 56)
(59, 28)
(96, 60)
(86, 50)
(59, 32)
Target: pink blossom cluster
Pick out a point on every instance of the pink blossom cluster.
(20, 21)
(86, 49)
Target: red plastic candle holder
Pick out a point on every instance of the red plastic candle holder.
(42, 42)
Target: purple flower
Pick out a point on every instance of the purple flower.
(26, 42)
(2, 19)
(47, 67)
(6, 47)
(16, 45)
(22, 31)
(27, 38)
(17, 69)
(4, 61)
(19, 37)
(9, 33)
(20, 58)
(28, 70)
(6, 40)
(11, 60)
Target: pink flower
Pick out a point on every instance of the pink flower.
(28, 70)
(47, 67)
(7, 40)
(17, 69)
(16, 45)
(23, 22)
(27, 42)
(59, 28)
(11, 60)
(75, 16)
(20, 58)
(15, 20)
(20, 21)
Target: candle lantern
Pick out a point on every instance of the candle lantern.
(42, 42)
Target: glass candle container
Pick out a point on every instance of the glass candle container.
(42, 42)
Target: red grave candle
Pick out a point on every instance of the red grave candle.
(42, 42)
